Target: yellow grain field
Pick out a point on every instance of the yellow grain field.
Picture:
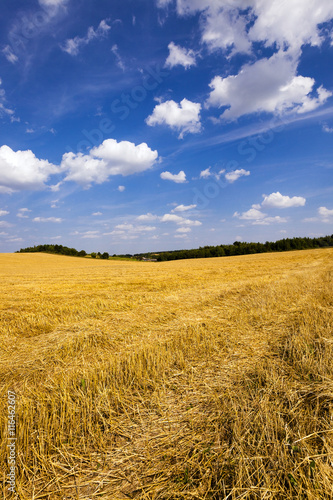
(196, 379)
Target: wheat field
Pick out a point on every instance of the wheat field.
(197, 379)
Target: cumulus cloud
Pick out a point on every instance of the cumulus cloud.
(269, 85)
(236, 25)
(183, 208)
(3, 212)
(251, 214)
(277, 200)
(179, 56)
(109, 159)
(205, 174)
(274, 200)
(292, 24)
(171, 218)
(257, 217)
(183, 117)
(183, 230)
(73, 45)
(121, 189)
(178, 178)
(226, 30)
(325, 214)
(236, 174)
(181, 221)
(147, 217)
(21, 170)
(47, 219)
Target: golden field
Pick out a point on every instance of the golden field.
(197, 379)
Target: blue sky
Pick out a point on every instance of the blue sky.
(132, 126)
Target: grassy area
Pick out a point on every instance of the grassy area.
(196, 379)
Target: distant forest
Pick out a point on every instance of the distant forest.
(61, 250)
(244, 248)
(237, 248)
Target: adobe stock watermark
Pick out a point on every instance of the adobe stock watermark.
(249, 148)
(27, 28)
(11, 445)
(122, 107)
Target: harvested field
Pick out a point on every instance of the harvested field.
(197, 379)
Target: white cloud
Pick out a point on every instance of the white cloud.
(3, 223)
(183, 117)
(326, 214)
(125, 227)
(73, 45)
(180, 221)
(90, 235)
(236, 174)
(205, 174)
(110, 158)
(3, 109)
(291, 23)
(9, 54)
(188, 222)
(226, 30)
(269, 85)
(52, 3)
(13, 240)
(237, 24)
(121, 189)
(180, 236)
(21, 170)
(147, 217)
(3, 212)
(183, 208)
(327, 129)
(144, 229)
(47, 219)
(269, 220)
(135, 229)
(163, 3)
(256, 217)
(178, 178)
(115, 232)
(96, 214)
(180, 56)
(183, 230)
(172, 218)
(21, 215)
(251, 214)
(120, 62)
(277, 200)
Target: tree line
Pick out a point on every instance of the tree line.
(237, 248)
(244, 248)
(62, 250)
